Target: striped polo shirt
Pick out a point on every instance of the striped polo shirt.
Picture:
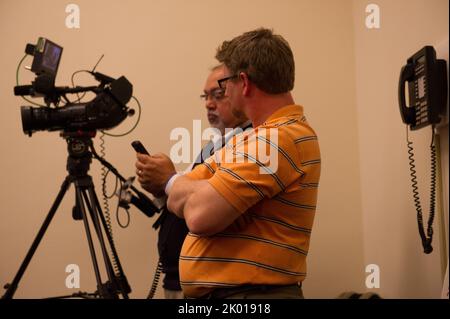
(271, 176)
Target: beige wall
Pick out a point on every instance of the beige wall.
(391, 239)
(165, 49)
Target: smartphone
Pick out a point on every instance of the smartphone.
(138, 147)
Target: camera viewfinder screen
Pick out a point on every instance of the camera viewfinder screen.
(51, 57)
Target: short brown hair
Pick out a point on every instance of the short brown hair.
(265, 57)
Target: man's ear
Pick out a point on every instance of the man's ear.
(246, 84)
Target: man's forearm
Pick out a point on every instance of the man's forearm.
(205, 210)
(181, 190)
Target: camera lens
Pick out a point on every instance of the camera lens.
(35, 118)
(26, 113)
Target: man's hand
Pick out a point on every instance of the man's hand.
(154, 172)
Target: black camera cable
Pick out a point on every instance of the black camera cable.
(156, 278)
(428, 237)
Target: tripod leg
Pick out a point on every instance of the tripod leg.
(125, 288)
(79, 199)
(94, 216)
(11, 288)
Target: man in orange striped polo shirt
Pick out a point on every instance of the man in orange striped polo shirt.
(250, 215)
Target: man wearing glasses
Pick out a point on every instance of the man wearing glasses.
(217, 104)
(173, 230)
(250, 225)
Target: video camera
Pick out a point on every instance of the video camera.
(79, 122)
(105, 111)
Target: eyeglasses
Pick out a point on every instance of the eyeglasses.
(216, 94)
(223, 82)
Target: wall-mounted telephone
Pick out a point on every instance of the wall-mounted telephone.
(427, 88)
(427, 92)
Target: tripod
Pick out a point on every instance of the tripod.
(78, 162)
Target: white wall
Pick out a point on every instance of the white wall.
(391, 239)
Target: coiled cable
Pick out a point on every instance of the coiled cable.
(106, 197)
(432, 187)
(428, 238)
(156, 278)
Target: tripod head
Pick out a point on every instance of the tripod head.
(81, 150)
(78, 146)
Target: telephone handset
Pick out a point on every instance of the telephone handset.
(427, 89)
